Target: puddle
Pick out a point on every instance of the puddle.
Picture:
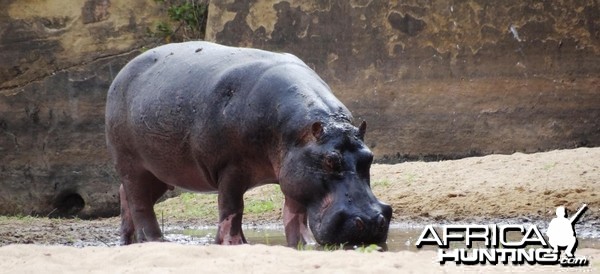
(401, 237)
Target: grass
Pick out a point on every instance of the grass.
(33, 220)
(263, 200)
(335, 247)
(384, 183)
(314, 247)
(19, 218)
(259, 206)
(368, 249)
(189, 206)
(549, 166)
(260, 203)
(410, 178)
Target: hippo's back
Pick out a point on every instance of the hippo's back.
(167, 88)
(190, 68)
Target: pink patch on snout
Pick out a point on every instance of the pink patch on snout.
(327, 201)
(325, 205)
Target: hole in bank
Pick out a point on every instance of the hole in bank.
(68, 205)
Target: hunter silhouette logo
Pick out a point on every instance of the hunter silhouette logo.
(494, 244)
(561, 231)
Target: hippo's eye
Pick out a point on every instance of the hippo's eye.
(333, 161)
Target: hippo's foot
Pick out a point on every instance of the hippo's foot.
(230, 230)
(138, 220)
(132, 240)
(126, 240)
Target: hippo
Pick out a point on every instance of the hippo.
(206, 117)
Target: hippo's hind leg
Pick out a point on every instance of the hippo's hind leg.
(139, 192)
(127, 227)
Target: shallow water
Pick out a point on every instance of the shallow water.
(401, 236)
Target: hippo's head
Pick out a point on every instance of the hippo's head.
(328, 173)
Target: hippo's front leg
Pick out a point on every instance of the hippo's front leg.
(231, 208)
(294, 219)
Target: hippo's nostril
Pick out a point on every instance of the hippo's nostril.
(360, 225)
(381, 222)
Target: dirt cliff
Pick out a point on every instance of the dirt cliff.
(58, 60)
(442, 79)
(433, 80)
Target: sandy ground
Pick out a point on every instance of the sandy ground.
(174, 258)
(498, 187)
(494, 186)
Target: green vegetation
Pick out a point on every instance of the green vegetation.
(305, 247)
(18, 218)
(368, 249)
(384, 183)
(259, 204)
(410, 178)
(189, 206)
(327, 247)
(267, 199)
(187, 20)
(362, 249)
(550, 166)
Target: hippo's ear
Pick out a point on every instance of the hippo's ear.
(317, 130)
(362, 129)
(314, 133)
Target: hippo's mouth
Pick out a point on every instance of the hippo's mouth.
(339, 227)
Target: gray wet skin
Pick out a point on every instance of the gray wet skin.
(206, 118)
